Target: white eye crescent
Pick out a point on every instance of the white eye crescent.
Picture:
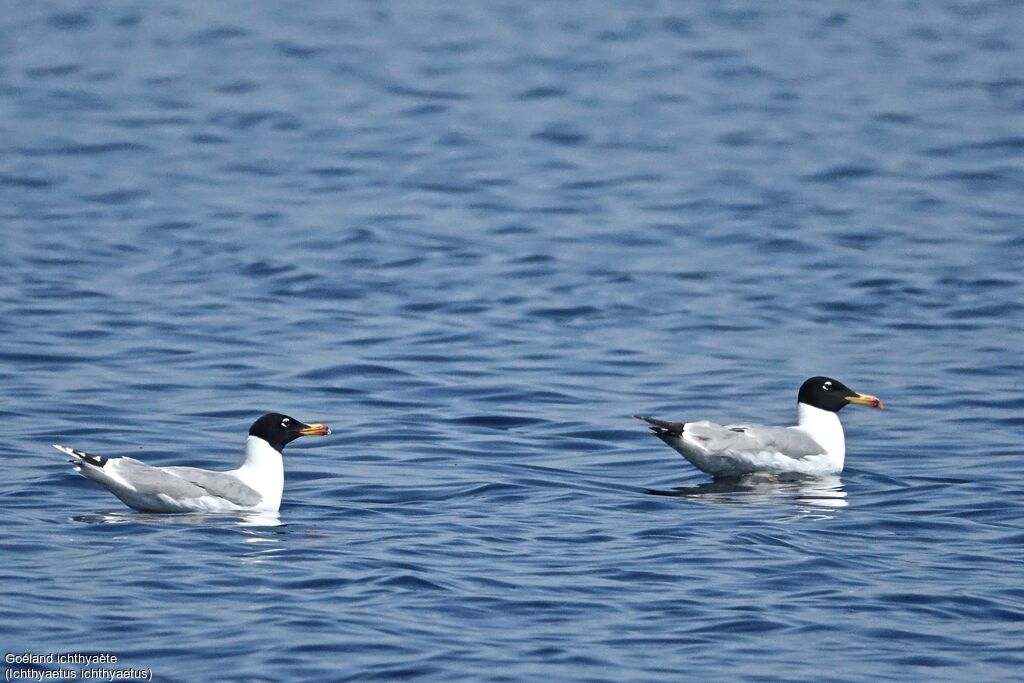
(286, 423)
(826, 386)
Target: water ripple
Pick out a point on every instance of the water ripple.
(476, 239)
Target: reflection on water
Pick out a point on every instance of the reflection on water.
(255, 528)
(818, 493)
(241, 519)
(503, 235)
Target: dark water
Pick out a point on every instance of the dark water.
(476, 238)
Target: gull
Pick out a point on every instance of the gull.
(814, 446)
(256, 485)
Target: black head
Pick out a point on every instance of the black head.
(832, 395)
(279, 430)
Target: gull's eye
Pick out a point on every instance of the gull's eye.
(286, 423)
(827, 386)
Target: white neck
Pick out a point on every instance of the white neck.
(263, 470)
(824, 427)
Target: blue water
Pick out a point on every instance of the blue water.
(476, 238)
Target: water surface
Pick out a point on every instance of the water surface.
(476, 239)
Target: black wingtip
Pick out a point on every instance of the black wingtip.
(82, 456)
(94, 460)
(661, 427)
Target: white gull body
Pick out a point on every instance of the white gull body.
(257, 485)
(815, 446)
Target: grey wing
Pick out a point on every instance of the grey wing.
(154, 481)
(783, 440)
(719, 440)
(220, 484)
(752, 438)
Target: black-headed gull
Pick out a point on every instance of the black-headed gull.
(814, 446)
(256, 485)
